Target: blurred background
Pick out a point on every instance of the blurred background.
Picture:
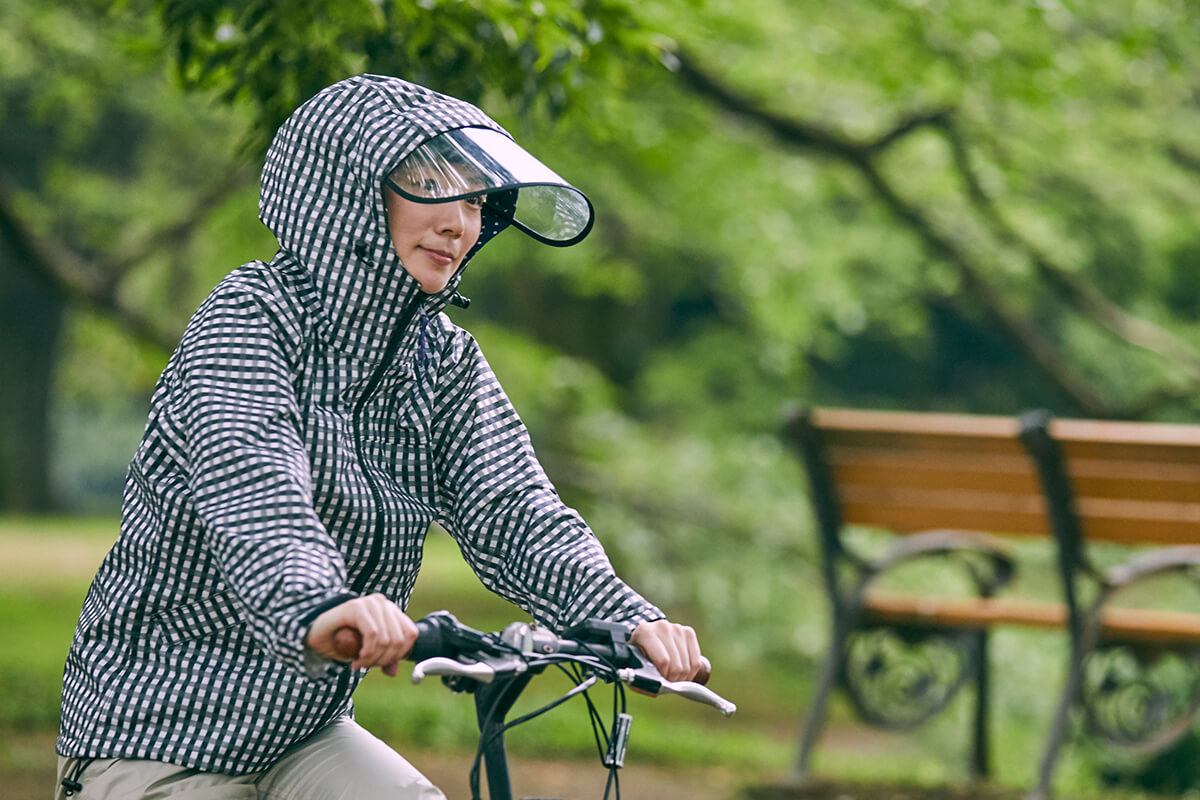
(915, 204)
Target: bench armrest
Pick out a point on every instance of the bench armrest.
(1152, 563)
(954, 544)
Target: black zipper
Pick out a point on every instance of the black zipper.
(406, 317)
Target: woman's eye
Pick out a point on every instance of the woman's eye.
(426, 187)
(475, 202)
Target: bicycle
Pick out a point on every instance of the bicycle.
(497, 667)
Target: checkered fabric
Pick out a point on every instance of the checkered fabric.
(318, 415)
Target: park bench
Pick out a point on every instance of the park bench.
(962, 489)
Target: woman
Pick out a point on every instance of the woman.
(319, 414)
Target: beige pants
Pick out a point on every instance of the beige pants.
(340, 761)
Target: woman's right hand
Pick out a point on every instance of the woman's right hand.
(387, 634)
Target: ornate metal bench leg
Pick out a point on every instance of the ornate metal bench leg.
(980, 748)
(815, 720)
(1058, 729)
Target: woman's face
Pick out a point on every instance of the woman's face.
(432, 238)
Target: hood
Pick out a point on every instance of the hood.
(322, 198)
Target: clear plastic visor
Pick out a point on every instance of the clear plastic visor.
(473, 162)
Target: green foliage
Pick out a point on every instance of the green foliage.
(110, 164)
(31, 681)
(542, 55)
(1073, 118)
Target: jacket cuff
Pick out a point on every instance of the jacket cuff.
(646, 613)
(307, 618)
(315, 666)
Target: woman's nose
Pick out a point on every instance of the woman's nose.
(452, 219)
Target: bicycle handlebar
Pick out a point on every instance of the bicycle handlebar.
(448, 648)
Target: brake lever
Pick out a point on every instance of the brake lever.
(701, 694)
(649, 681)
(449, 667)
(482, 671)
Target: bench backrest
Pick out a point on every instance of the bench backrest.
(1131, 482)
(909, 472)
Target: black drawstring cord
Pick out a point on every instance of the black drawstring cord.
(71, 784)
(457, 299)
(423, 342)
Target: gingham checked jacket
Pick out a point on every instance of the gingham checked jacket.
(318, 415)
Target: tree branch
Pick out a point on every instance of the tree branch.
(189, 220)
(76, 278)
(1083, 296)
(795, 133)
(1188, 160)
(862, 156)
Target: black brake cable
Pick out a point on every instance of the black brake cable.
(604, 743)
(484, 743)
(608, 745)
(614, 776)
(599, 732)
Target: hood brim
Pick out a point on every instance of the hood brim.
(481, 162)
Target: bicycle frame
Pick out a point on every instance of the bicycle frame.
(493, 701)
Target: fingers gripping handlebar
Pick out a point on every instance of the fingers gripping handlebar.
(438, 634)
(346, 643)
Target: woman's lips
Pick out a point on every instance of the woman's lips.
(439, 257)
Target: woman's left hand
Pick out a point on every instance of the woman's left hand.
(673, 649)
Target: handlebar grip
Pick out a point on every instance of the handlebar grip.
(346, 643)
(430, 642)
(705, 671)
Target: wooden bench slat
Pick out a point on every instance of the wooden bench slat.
(964, 611)
(1126, 624)
(889, 470)
(974, 513)
(932, 441)
(903, 510)
(1179, 453)
(1139, 522)
(904, 520)
(1005, 473)
(1144, 488)
(1073, 432)
(851, 419)
(1179, 474)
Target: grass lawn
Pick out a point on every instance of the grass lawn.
(47, 564)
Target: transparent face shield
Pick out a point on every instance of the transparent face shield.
(477, 162)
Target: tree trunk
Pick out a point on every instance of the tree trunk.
(31, 317)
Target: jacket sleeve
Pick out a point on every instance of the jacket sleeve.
(249, 472)
(522, 541)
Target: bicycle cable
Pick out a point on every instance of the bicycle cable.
(484, 742)
(606, 745)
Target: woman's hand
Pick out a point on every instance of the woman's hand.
(386, 632)
(673, 649)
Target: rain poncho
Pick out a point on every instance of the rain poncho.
(318, 415)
